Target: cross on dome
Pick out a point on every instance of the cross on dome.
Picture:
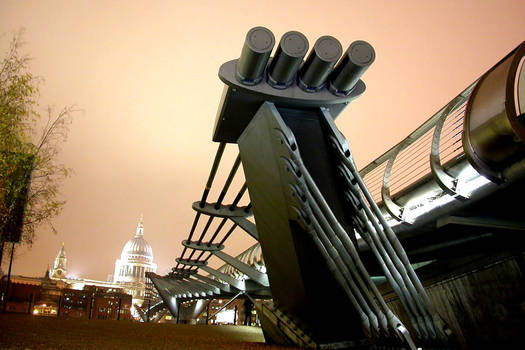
(140, 227)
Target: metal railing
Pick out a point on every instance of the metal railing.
(427, 153)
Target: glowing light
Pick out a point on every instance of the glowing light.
(420, 205)
(469, 180)
(35, 312)
(225, 316)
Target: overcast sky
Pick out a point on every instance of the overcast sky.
(144, 74)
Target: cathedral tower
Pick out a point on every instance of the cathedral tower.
(60, 266)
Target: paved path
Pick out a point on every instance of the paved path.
(28, 332)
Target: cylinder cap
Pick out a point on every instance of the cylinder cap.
(260, 39)
(294, 44)
(328, 48)
(361, 53)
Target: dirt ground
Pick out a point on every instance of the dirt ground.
(28, 332)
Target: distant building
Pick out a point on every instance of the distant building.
(57, 293)
(60, 266)
(59, 272)
(129, 275)
(136, 259)
(96, 303)
(52, 297)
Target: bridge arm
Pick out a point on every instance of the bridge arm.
(247, 226)
(240, 285)
(249, 271)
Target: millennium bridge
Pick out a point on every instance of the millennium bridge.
(422, 248)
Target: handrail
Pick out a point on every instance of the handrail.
(426, 151)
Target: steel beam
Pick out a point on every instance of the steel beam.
(240, 285)
(476, 221)
(249, 271)
(222, 286)
(210, 289)
(247, 226)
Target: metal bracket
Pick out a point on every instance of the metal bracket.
(191, 262)
(180, 273)
(203, 246)
(223, 211)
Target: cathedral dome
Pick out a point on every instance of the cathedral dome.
(137, 247)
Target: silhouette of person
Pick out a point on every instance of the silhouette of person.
(248, 307)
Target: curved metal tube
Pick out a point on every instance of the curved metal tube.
(446, 182)
(494, 132)
(393, 209)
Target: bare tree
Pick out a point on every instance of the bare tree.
(28, 140)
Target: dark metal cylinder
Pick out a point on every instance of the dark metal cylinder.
(255, 53)
(493, 129)
(356, 60)
(287, 59)
(317, 67)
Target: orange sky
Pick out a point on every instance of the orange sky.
(145, 75)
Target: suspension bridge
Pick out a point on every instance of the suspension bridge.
(411, 251)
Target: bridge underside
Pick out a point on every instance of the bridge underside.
(473, 267)
(490, 225)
